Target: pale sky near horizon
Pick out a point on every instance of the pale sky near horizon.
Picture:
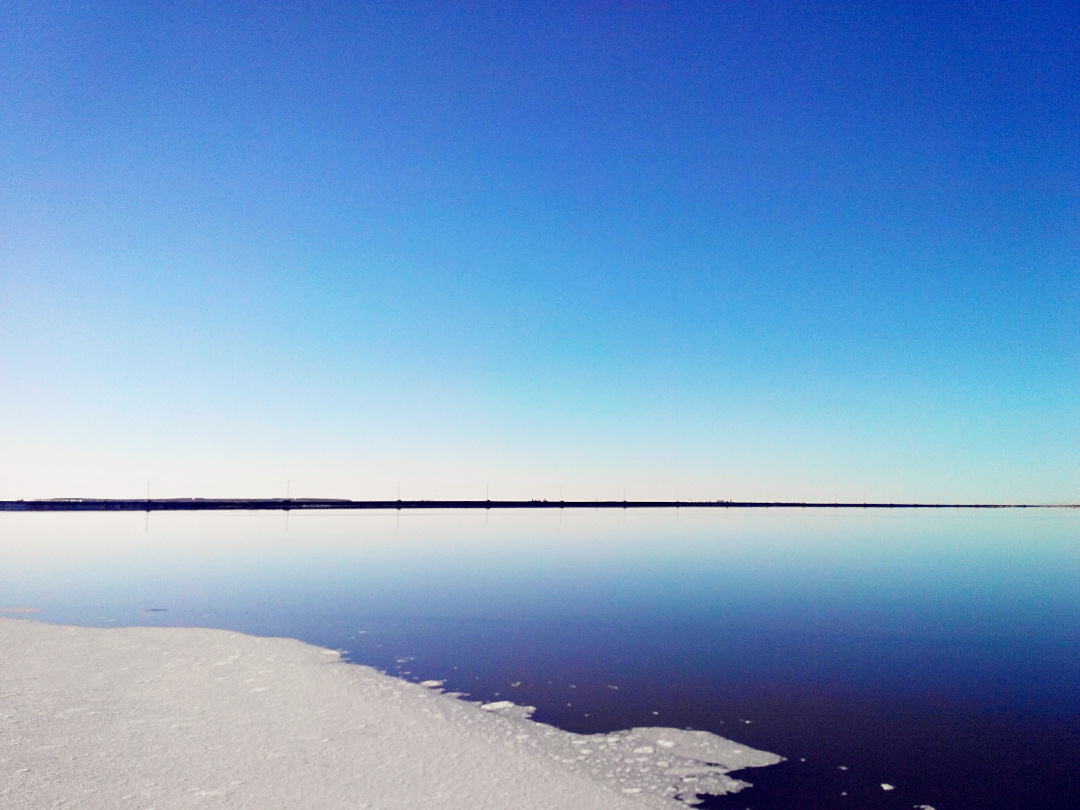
(713, 250)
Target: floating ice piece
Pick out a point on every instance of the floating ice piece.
(887, 786)
(432, 684)
(694, 763)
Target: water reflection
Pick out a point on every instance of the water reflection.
(932, 651)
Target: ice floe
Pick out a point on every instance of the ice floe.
(661, 766)
(173, 716)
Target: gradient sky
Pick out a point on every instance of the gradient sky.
(714, 250)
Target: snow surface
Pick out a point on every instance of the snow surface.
(163, 718)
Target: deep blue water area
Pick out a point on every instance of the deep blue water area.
(933, 652)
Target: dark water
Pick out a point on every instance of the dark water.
(936, 653)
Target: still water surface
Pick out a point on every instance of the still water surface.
(938, 652)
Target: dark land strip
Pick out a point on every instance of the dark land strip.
(298, 504)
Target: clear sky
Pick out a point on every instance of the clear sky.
(713, 249)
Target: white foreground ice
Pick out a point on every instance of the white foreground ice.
(163, 718)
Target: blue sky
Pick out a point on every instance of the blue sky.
(709, 249)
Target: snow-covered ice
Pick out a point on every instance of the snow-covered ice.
(194, 718)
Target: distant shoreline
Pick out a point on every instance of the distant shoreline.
(300, 504)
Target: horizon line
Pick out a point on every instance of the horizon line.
(299, 504)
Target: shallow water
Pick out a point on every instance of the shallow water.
(934, 652)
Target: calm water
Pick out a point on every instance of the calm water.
(936, 652)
